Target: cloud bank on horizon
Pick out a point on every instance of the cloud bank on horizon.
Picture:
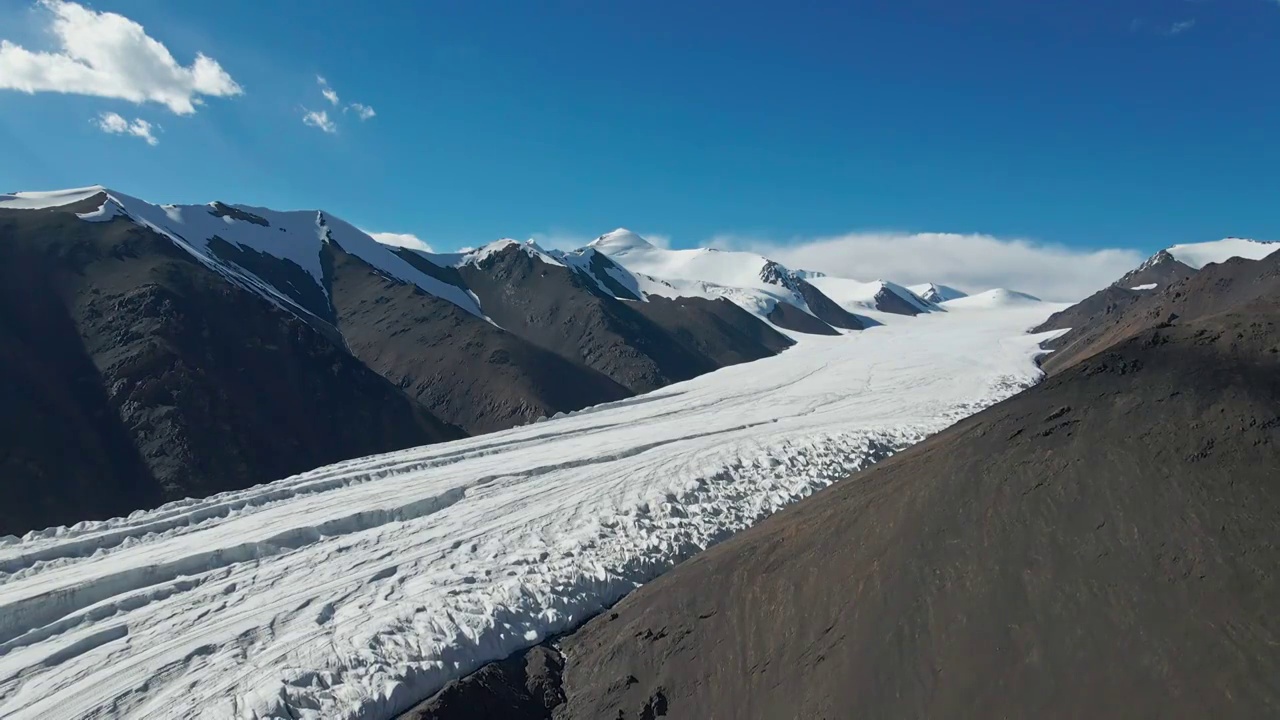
(970, 262)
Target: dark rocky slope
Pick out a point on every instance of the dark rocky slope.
(140, 374)
(1106, 544)
(1115, 313)
(889, 301)
(1160, 269)
(641, 348)
(461, 367)
(136, 375)
(558, 309)
(790, 317)
(822, 307)
(718, 330)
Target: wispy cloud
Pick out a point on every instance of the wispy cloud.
(319, 119)
(329, 124)
(104, 54)
(970, 262)
(329, 93)
(114, 124)
(404, 240)
(1142, 25)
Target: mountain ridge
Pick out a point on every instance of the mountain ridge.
(1105, 525)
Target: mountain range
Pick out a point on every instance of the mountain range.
(1099, 545)
(190, 350)
(1095, 542)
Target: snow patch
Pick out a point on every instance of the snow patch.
(109, 211)
(1148, 286)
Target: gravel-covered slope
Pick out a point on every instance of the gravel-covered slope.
(1117, 313)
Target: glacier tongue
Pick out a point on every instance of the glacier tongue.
(357, 589)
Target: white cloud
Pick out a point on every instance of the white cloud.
(969, 262)
(404, 240)
(113, 123)
(1180, 27)
(319, 119)
(662, 241)
(103, 54)
(322, 119)
(329, 93)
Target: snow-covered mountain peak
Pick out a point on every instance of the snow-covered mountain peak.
(236, 240)
(1180, 261)
(482, 254)
(776, 274)
(936, 293)
(620, 241)
(992, 299)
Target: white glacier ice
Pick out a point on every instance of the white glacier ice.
(354, 590)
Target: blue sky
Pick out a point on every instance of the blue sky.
(1128, 124)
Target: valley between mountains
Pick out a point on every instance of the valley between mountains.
(260, 466)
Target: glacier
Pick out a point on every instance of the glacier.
(358, 589)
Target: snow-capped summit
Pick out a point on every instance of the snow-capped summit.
(877, 295)
(759, 285)
(935, 293)
(1179, 262)
(991, 299)
(240, 242)
(529, 247)
(620, 241)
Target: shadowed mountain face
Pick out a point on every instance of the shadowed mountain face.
(1160, 269)
(557, 309)
(891, 302)
(1116, 313)
(827, 309)
(790, 317)
(640, 345)
(822, 307)
(461, 367)
(1101, 545)
(146, 369)
(716, 329)
(147, 377)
